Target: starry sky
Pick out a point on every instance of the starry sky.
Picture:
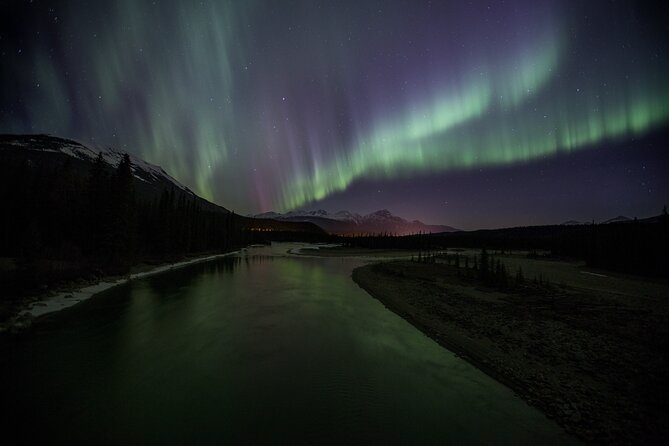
(474, 114)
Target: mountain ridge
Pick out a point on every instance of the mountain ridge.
(618, 219)
(151, 181)
(344, 222)
(151, 178)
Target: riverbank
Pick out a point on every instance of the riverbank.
(594, 360)
(339, 251)
(67, 297)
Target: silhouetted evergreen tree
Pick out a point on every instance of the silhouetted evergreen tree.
(123, 214)
(520, 279)
(484, 266)
(99, 217)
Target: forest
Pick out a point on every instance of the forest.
(637, 247)
(69, 220)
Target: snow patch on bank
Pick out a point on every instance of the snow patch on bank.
(313, 247)
(68, 299)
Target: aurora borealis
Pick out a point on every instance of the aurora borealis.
(408, 105)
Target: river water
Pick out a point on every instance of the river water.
(263, 347)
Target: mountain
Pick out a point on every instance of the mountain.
(618, 219)
(348, 223)
(47, 151)
(68, 217)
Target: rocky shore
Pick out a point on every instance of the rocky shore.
(595, 361)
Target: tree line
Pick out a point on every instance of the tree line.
(71, 220)
(488, 269)
(636, 247)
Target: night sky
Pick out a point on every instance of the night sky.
(471, 114)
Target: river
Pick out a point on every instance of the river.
(263, 347)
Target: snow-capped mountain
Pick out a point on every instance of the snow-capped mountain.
(348, 216)
(152, 180)
(320, 213)
(345, 222)
(142, 170)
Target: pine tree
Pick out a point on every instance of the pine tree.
(503, 280)
(123, 208)
(484, 266)
(99, 224)
(520, 280)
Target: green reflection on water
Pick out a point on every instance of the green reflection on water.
(256, 349)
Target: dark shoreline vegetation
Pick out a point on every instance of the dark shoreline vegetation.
(639, 247)
(593, 360)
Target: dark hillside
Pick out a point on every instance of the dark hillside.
(71, 213)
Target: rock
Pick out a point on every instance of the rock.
(21, 323)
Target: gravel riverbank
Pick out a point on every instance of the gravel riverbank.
(595, 361)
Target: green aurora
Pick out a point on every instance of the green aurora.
(294, 103)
